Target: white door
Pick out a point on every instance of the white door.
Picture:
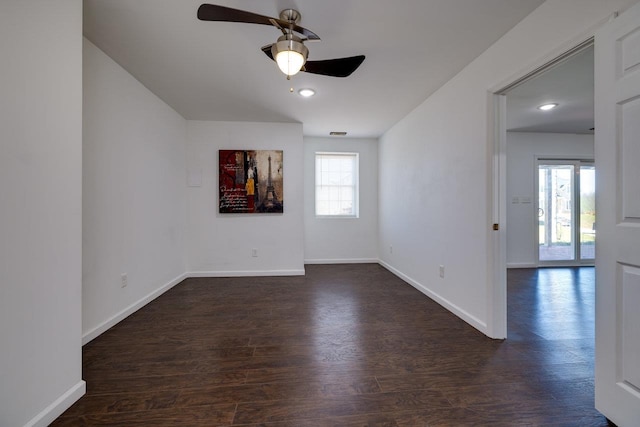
(617, 149)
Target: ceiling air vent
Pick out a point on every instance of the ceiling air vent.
(337, 133)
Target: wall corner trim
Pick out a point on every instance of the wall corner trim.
(472, 320)
(121, 315)
(57, 407)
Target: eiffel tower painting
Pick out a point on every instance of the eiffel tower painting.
(250, 181)
(271, 202)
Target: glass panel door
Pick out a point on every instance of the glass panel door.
(587, 212)
(556, 211)
(566, 212)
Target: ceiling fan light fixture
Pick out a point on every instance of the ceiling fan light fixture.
(290, 54)
(294, 58)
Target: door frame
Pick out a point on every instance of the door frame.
(497, 159)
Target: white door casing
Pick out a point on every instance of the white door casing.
(617, 153)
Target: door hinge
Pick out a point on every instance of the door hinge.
(496, 227)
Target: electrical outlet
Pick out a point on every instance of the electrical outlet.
(254, 252)
(442, 271)
(124, 281)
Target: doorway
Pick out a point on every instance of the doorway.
(566, 218)
(535, 126)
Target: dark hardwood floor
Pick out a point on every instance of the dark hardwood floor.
(346, 345)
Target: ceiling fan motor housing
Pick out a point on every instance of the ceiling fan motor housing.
(291, 15)
(289, 42)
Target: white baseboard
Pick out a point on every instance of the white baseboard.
(61, 404)
(521, 265)
(113, 320)
(470, 319)
(247, 273)
(343, 261)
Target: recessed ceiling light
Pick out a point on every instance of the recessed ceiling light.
(307, 92)
(547, 107)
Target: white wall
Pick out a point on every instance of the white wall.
(435, 164)
(342, 240)
(522, 150)
(40, 209)
(133, 196)
(221, 244)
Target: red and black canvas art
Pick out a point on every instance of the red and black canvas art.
(250, 181)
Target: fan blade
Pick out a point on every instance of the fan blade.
(340, 67)
(267, 51)
(212, 12)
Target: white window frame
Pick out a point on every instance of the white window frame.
(355, 183)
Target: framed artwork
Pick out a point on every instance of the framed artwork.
(250, 181)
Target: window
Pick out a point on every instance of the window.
(337, 184)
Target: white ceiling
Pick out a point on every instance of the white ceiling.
(570, 85)
(216, 70)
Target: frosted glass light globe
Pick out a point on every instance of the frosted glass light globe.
(290, 62)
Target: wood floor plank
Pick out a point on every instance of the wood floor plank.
(134, 384)
(345, 345)
(375, 420)
(303, 409)
(203, 416)
(186, 396)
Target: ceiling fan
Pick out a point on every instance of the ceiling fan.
(289, 50)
